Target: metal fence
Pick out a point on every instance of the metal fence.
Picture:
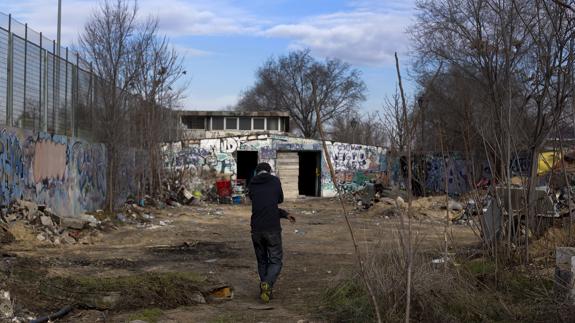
(42, 87)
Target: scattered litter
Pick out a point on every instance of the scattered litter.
(211, 260)
(6, 304)
(221, 292)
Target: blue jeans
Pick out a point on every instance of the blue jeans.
(269, 253)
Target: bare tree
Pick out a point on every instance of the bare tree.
(393, 123)
(131, 65)
(358, 129)
(157, 87)
(514, 56)
(297, 83)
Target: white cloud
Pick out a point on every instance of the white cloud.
(188, 52)
(367, 34)
(177, 17)
(360, 36)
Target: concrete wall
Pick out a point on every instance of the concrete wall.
(353, 163)
(66, 174)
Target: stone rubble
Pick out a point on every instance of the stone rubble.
(47, 226)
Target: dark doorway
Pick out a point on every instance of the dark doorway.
(309, 183)
(247, 162)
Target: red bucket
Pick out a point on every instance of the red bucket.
(224, 188)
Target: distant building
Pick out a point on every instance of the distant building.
(217, 124)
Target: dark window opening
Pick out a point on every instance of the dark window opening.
(309, 183)
(245, 123)
(217, 123)
(259, 124)
(272, 124)
(231, 123)
(191, 122)
(285, 125)
(246, 163)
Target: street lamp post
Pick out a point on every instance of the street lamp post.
(353, 124)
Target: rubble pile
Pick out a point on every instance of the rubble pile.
(49, 227)
(181, 188)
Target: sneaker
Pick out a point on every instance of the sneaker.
(265, 292)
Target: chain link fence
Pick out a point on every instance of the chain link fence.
(42, 87)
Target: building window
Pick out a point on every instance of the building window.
(245, 123)
(217, 123)
(259, 124)
(273, 124)
(191, 122)
(231, 123)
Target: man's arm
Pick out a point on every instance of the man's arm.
(285, 215)
(281, 192)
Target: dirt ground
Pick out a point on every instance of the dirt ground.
(317, 253)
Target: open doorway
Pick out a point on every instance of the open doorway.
(309, 183)
(246, 165)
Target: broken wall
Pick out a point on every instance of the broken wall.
(354, 164)
(66, 174)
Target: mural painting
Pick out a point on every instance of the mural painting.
(65, 174)
(218, 155)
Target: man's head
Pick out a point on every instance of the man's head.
(263, 167)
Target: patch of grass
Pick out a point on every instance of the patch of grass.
(163, 290)
(150, 315)
(473, 292)
(347, 302)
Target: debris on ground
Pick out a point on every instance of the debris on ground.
(6, 305)
(46, 227)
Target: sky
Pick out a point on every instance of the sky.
(225, 41)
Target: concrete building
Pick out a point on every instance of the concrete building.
(299, 162)
(217, 124)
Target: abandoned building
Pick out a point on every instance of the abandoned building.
(215, 124)
(231, 144)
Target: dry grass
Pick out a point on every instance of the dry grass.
(472, 291)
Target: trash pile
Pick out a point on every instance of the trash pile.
(181, 188)
(47, 226)
(135, 214)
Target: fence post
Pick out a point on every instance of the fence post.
(10, 87)
(25, 103)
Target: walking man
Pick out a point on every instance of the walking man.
(265, 191)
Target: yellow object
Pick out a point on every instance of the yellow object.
(546, 161)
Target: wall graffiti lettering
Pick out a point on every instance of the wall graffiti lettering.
(219, 155)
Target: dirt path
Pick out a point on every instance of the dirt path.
(317, 252)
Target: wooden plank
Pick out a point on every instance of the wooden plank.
(287, 164)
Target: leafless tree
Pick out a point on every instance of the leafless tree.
(133, 70)
(514, 57)
(392, 120)
(298, 83)
(358, 129)
(158, 89)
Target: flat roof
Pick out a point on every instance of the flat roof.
(232, 113)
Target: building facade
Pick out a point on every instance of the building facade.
(217, 124)
(300, 163)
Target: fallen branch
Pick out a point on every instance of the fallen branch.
(61, 313)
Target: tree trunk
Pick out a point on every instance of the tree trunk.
(531, 205)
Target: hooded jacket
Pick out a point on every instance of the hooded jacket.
(265, 191)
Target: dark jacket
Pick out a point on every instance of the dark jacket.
(265, 191)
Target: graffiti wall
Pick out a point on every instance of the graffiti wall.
(354, 164)
(65, 174)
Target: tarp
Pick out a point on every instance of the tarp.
(546, 161)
